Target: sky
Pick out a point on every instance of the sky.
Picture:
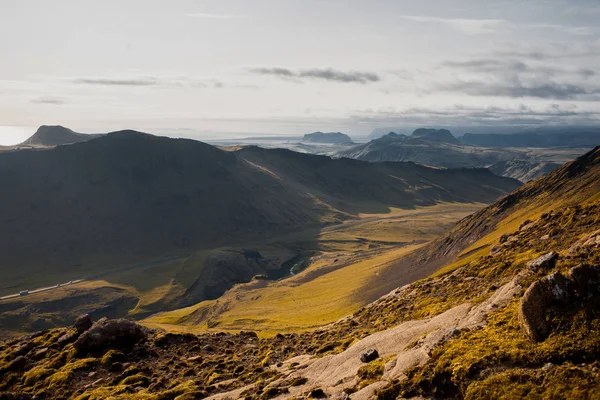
(287, 67)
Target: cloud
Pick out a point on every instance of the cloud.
(463, 25)
(572, 30)
(116, 82)
(514, 88)
(158, 81)
(489, 65)
(461, 115)
(327, 74)
(215, 16)
(48, 100)
(506, 66)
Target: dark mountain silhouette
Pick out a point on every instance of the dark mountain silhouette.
(48, 136)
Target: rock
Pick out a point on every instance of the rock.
(547, 367)
(586, 279)
(545, 262)
(249, 334)
(194, 359)
(537, 298)
(65, 339)
(369, 356)
(41, 353)
(110, 333)
(23, 349)
(83, 323)
(540, 295)
(208, 348)
(495, 249)
(18, 364)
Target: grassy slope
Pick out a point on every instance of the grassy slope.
(336, 283)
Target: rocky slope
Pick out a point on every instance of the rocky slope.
(465, 332)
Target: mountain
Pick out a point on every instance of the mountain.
(327, 137)
(510, 311)
(436, 135)
(129, 197)
(440, 148)
(48, 136)
(428, 150)
(580, 137)
(382, 131)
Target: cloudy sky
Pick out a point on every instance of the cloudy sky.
(193, 68)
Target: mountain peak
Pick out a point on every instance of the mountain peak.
(55, 135)
(438, 135)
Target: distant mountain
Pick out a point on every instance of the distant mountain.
(48, 136)
(436, 135)
(569, 138)
(130, 196)
(327, 137)
(379, 132)
(438, 147)
(426, 149)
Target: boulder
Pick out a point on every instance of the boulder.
(581, 283)
(536, 300)
(545, 262)
(369, 356)
(83, 323)
(110, 333)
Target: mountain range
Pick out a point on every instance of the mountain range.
(440, 148)
(130, 197)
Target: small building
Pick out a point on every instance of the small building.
(23, 292)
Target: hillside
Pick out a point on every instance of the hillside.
(465, 332)
(327, 137)
(523, 170)
(49, 136)
(152, 223)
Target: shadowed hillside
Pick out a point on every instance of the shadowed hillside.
(131, 197)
